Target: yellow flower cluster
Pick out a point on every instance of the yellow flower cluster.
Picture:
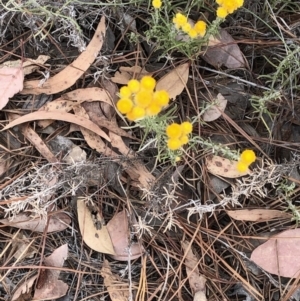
(178, 134)
(247, 157)
(227, 7)
(156, 4)
(181, 22)
(138, 99)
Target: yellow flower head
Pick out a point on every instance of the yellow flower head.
(232, 5)
(186, 27)
(186, 127)
(156, 4)
(125, 92)
(174, 130)
(230, 8)
(148, 82)
(136, 113)
(180, 19)
(153, 109)
(161, 98)
(174, 143)
(239, 3)
(184, 139)
(124, 105)
(134, 85)
(144, 98)
(222, 12)
(177, 159)
(241, 166)
(192, 33)
(200, 28)
(248, 156)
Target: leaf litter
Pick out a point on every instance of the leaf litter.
(77, 174)
(29, 66)
(68, 76)
(11, 82)
(94, 234)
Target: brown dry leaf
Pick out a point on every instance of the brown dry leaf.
(97, 144)
(40, 115)
(112, 89)
(23, 247)
(196, 281)
(200, 296)
(223, 50)
(223, 167)
(127, 73)
(48, 286)
(121, 78)
(280, 255)
(135, 169)
(257, 215)
(29, 65)
(118, 143)
(38, 143)
(57, 222)
(215, 111)
(66, 102)
(118, 290)
(68, 76)
(88, 94)
(76, 154)
(11, 82)
(80, 111)
(97, 239)
(175, 81)
(24, 289)
(73, 128)
(119, 233)
(58, 105)
(95, 115)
